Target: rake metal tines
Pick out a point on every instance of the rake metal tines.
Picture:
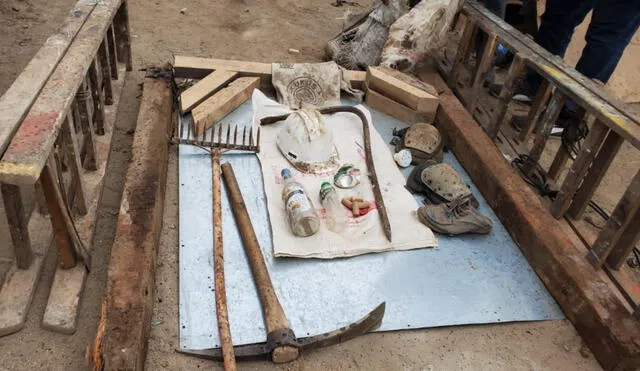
(244, 143)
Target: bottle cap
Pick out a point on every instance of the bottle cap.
(285, 173)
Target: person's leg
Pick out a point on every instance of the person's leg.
(497, 7)
(613, 24)
(558, 22)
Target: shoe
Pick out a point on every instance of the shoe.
(525, 92)
(566, 119)
(454, 218)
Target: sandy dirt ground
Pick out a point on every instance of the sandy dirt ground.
(259, 30)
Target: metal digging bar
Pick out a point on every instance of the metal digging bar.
(377, 193)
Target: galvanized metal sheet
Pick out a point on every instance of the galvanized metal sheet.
(468, 280)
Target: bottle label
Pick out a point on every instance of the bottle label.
(325, 189)
(296, 201)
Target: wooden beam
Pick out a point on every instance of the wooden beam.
(131, 273)
(397, 110)
(17, 100)
(198, 68)
(223, 102)
(403, 89)
(604, 323)
(204, 88)
(31, 145)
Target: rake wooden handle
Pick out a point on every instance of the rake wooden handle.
(218, 267)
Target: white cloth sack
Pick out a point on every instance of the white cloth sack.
(310, 85)
(363, 235)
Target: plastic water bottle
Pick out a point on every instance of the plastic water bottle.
(336, 218)
(301, 214)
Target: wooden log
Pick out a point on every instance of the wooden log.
(31, 145)
(16, 101)
(204, 88)
(403, 89)
(394, 109)
(198, 68)
(599, 316)
(223, 102)
(18, 225)
(131, 274)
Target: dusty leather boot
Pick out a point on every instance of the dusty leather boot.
(454, 218)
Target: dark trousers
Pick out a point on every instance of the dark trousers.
(613, 24)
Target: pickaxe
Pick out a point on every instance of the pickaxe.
(281, 345)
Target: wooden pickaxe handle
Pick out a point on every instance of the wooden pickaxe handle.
(274, 316)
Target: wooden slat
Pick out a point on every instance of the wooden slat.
(394, 109)
(130, 297)
(17, 100)
(97, 97)
(198, 68)
(599, 316)
(599, 167)
(626, 243)
(514, 76)
(113, 53)
(621, 217)
(73, 159)
(103, 56)
(482, 65)
(123, 35)
(537, 108)
(18, 225)
(223, 102)
(403, 89)
(89, 152)
(204, 88)
(28, 151)
(66, 253)
(464, 49)
(579, 168)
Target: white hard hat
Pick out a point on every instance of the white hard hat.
(307, 144)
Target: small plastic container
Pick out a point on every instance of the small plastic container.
(337, 219)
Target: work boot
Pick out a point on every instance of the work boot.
(454, 218)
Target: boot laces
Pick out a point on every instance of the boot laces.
(459, 207)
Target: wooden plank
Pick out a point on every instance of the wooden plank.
(131, 273)
(18, 225)
(198, 68)
(204, 88)
(514, 76)
(394, 109)
(223, 102)
(29, 150)
(73, 158)
(406, 90)
(599, 316)
(17, 100)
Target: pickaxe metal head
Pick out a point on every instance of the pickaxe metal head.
(285, 339)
